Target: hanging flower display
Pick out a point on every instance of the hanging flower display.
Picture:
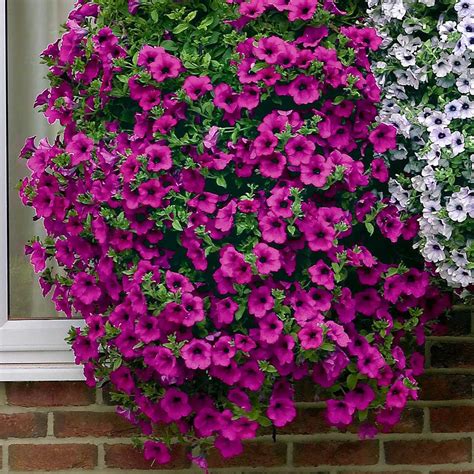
(427, 76)
(217, 210)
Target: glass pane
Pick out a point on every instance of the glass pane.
(31, 26)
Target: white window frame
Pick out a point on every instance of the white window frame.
(30, 350)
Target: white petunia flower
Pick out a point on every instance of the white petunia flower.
(421, 73)
(467, 108)
(390, 106)
(445, 271)
(402, 123)
(457, 209)
(464, 8)
(461, 46)
(396, 91)
(434, 225)
(406, 57)
(433, 156)
(435, 51)
(453, 109)
(442, 67)
(430, 207)
(424, 115)
(446, 28)
(433, 251)
(423, 184)
(459, 64)
(466, 26)
(406, 77)
(400, 198)
(440, 136)
(469, 41)
(409, 42)
(394, 9)
(459, 258)
(463, 276)
(438, 119)
(465, 82)
(457, 143)
(466, 195)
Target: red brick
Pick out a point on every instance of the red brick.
(255, 454)
(459, 324)
(49, 394)
(453, 472)
(379, 472)
(411, 421)
(266, 471)
(446, 386)
(312, 421)
(307, 421)
(336, 453)
(452, 419)
(305, 391)
(452, 355)
(106, 395)
(125, 456)
(52, 457)
(428, 451)
(84, 423)
(23, 425)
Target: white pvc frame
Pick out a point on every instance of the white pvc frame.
(30, 350)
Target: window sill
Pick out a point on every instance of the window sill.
(36, 350)
(40, 372)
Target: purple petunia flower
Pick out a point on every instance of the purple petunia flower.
(197, 354)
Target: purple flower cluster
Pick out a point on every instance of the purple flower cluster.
(225, 234)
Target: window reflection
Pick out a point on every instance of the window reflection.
(31, 26)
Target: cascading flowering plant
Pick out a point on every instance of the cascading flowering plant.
(217, 215)
(427, 79)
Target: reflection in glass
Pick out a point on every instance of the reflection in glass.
(31, 26)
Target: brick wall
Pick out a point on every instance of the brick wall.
(66, 427)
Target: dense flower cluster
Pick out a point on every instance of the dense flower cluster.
(428, 86)
(217, 210)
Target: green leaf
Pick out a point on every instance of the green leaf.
(370, 227)
(362, 415)
(327, 346)
(180, 28)
(205, 23)
(220, 181)
(240, 312)
(264, 421)
(177, 226)
(169, 45)
(352, 381)
(116, 364)
(190, 16)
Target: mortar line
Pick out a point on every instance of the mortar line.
(427, 351)
(426, 421)
(381, 460)
(289, 454)
(50, 425)
(101, 456)
(3, 394)
(99, 396)
(5, 461)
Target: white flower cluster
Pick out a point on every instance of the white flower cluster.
(426, 69)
